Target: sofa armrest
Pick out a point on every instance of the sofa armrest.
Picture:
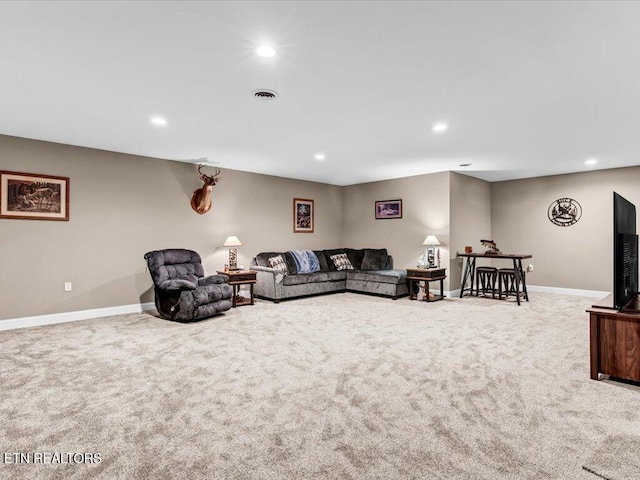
(177, 284)
(277, 273)
(268, 282)
(213, 280)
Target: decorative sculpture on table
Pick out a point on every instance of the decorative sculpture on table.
(201, 199)
(493, 249)
(422, 259)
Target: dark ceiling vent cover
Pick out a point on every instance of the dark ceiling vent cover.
(265, 94)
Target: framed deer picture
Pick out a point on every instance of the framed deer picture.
(29, 196)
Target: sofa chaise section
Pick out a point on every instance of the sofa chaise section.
(391, 283)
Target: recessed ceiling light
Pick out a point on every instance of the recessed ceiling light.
(266, 51)
(591, 161)
(319, 156)
(157, 121)
(440, 127)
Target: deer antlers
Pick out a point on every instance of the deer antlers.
(209, 179)
(201, 199)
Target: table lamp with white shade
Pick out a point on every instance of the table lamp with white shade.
(232, 241)
(431, 241)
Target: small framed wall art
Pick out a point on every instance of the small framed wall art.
(302, 215)
(388, 209)
(28, 196)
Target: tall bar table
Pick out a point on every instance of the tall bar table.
(518, 272)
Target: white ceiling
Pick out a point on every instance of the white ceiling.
(528, 89)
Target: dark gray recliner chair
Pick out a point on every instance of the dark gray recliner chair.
(182, 292)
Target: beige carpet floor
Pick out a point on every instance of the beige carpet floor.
(343, 386)
(618, 458)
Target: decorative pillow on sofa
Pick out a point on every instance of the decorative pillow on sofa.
(341, 261)
(355, 257)
(374, 259)
(329, 253)
(322, 260)
(279, 263)
(291, 263)
(262, 259)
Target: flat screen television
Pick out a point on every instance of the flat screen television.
(625, 251)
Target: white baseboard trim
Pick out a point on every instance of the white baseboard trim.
(39, 320)
(568, 291)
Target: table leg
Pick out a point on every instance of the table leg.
(426, 291)
(523, 277)
(473, 275)
(516, 279)
(465, 275)
(251, 292)
(469, 269)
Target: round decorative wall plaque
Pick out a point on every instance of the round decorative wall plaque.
(564, 212)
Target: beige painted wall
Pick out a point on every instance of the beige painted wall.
(425, 202)
(470, 200)
(579, 256)
(123, 206)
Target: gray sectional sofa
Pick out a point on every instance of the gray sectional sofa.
(372, 273)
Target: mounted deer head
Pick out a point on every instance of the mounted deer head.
(201, 200)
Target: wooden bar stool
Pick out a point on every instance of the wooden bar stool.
(507, 283)
(486, 280)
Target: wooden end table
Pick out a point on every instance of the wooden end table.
(241, 277)
(426, 275)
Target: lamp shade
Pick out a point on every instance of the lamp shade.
(431, 240)
(232, 241)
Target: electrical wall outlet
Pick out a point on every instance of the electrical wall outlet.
(68, 286)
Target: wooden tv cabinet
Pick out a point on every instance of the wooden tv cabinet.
(615, 340)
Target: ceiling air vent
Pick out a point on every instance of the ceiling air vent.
(265, 94)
